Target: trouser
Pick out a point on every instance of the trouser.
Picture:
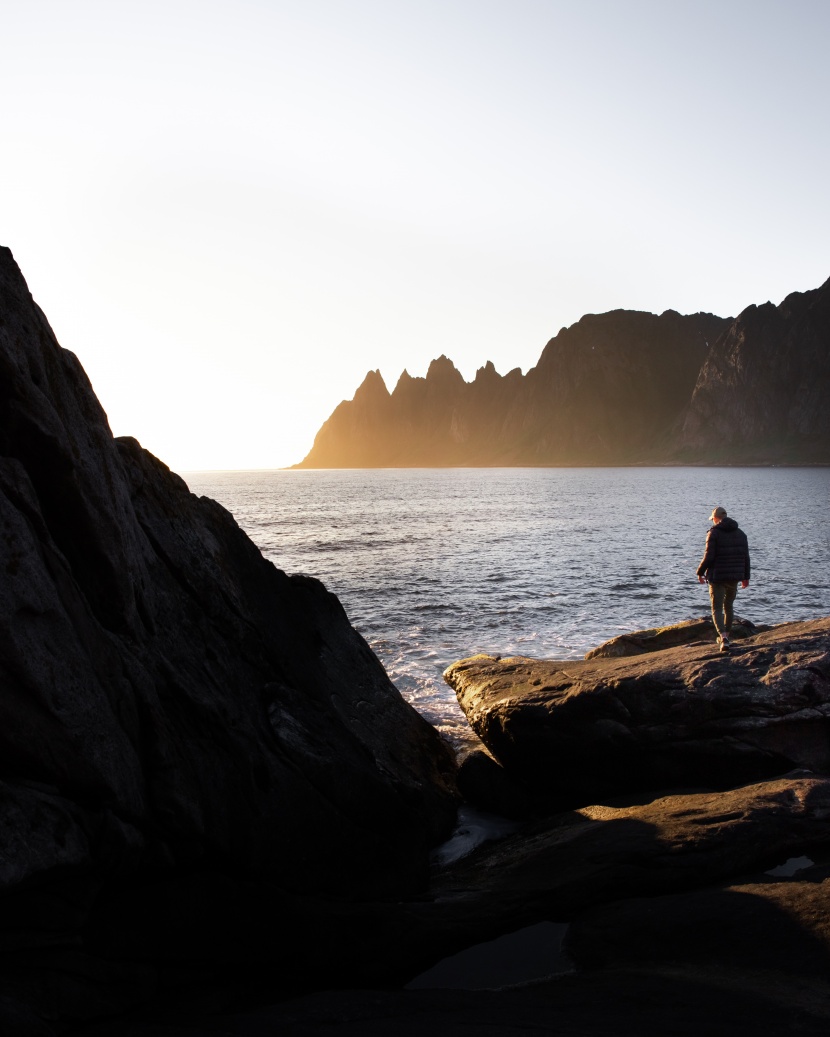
(722, 596)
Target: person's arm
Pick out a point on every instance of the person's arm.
(708, 557)
(745, 580)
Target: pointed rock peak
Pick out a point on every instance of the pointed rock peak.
(404, 380)
(443, 370)
(487, 373)
(374, 378)
(372, 387)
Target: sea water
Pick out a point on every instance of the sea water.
(432, 565)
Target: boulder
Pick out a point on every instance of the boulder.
(578, 732)
(174, 707)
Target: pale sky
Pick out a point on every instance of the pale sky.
(231, 210)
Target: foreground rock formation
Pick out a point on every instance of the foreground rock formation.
(676, 921)
(673, 926)
(576, 732)
(216, 811)
(184, 726)
(614, 388)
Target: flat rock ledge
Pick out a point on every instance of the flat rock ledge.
(655, 639)
(577, 732)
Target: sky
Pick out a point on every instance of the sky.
(231, 211)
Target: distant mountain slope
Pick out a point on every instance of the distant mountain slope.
(616, 388)
(762, 394)
(609, 389)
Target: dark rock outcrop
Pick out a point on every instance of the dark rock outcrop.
(764, 926)
(622, 1003)
(762, 936)
(576, 732)
(174, 707)
(573, 861)
(484, 783)
(615, 388)
(575, 867)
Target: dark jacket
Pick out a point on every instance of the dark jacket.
(726, 559)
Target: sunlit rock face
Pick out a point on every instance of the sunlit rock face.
(173, 705)
(576, 732)
(615, 388)
(761, 396)
(433, 421)
(610, 389)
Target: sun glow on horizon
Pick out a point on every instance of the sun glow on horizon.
(232, 220)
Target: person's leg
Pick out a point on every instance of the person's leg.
(730, 593)
(716, 595)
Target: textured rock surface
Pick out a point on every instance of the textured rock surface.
(173, 705)
(762, 936)
(569, 868)
(563, 865)
(576, 732)
(568, 863)
(762, 927)
(690, 631)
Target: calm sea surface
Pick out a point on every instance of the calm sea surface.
(433, 565)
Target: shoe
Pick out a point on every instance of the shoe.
(725, 643)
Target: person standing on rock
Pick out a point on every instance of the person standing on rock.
(724, 565)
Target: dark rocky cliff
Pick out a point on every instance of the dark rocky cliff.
(615, 388)
(178, 718)
(609, 389)
(761, 396)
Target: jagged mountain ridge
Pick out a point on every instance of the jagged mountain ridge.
(624, 387)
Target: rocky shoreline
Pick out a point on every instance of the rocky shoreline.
(217, 814)
(680, 914)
